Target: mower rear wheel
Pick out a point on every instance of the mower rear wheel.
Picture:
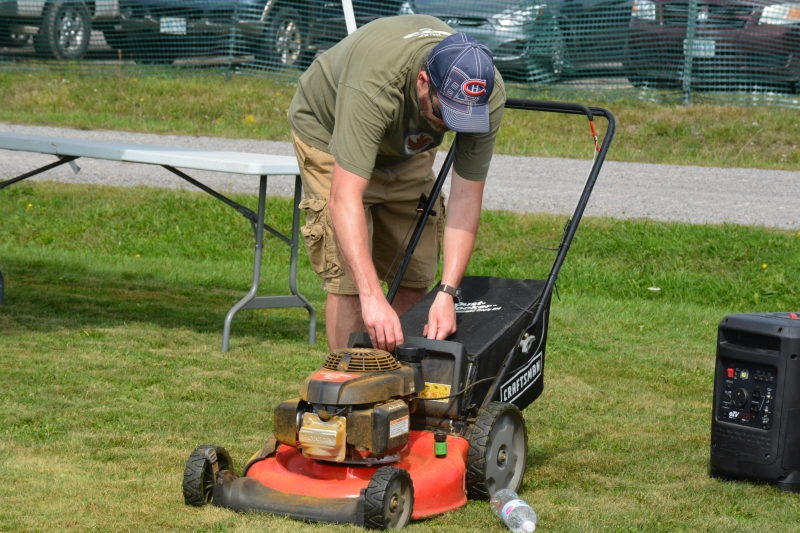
(498, 449)
(389, 499)
(200, 476)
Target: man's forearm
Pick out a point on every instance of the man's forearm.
(463, 217)
(350, 227)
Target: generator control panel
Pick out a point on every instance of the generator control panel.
(747, 394)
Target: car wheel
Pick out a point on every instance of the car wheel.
(389, 499)
(555, 64)
(498, 451)
(284, 41)
(200, 474)
(65, 30)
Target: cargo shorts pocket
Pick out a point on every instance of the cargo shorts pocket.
(318, 235)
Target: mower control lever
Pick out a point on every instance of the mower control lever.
(525, 344)
(423, 200)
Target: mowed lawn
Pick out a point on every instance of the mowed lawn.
(111, 370)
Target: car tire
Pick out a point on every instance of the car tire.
(65, 30)
(498, 451)
(284, 42)
(554, 66)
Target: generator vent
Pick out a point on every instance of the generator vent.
(361, 360)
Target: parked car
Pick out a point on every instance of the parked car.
(737, 44)
(279, 33)
(60, 28)
(541, 40)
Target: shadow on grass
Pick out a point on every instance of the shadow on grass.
(44, 297)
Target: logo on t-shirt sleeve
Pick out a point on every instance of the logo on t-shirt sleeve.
(427, 32)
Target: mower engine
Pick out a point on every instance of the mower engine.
(354, 409)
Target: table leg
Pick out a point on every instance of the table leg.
(271, 302)
(262, 199)
(312, 315)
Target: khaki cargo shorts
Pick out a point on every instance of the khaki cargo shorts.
(390, 204)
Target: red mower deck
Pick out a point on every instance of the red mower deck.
(438, 483)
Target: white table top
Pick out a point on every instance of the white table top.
(191, 158)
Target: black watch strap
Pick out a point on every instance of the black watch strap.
(455, 292)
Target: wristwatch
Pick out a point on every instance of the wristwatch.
(455, 292)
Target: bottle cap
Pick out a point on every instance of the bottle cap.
(528, 526)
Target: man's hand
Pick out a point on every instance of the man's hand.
(382, 323)
(441, 318)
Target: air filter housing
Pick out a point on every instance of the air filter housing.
(755, 428)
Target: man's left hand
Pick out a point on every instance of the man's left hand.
(441, 318)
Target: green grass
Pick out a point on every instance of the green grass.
(136, 100)
(112, 371)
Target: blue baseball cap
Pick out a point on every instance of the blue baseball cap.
(462, 71)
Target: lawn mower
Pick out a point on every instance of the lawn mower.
(378, 439)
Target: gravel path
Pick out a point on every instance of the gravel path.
(522, 184)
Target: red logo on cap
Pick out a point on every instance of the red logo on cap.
(474, 87)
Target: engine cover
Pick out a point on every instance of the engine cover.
(380, 429)
(353, 409)
(333, 387)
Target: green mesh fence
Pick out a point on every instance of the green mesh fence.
(733, 51)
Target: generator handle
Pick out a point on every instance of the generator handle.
(572, 224)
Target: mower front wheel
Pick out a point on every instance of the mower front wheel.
(498, 449)
(389, 499)
(200, 474)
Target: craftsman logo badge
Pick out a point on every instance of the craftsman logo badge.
(474, 88)
(522, 379)
(338, 377)
(427, 32)
(531, 371)
(418, 142)
(476, 307)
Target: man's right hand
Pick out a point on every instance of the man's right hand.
(382, 322)
(350, 226)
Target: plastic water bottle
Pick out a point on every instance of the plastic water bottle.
(517, 515)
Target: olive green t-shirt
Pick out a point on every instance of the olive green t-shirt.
(358, 100)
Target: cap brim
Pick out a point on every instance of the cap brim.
(464, 119)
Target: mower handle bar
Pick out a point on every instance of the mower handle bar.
(569, 229)
(572, 224)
